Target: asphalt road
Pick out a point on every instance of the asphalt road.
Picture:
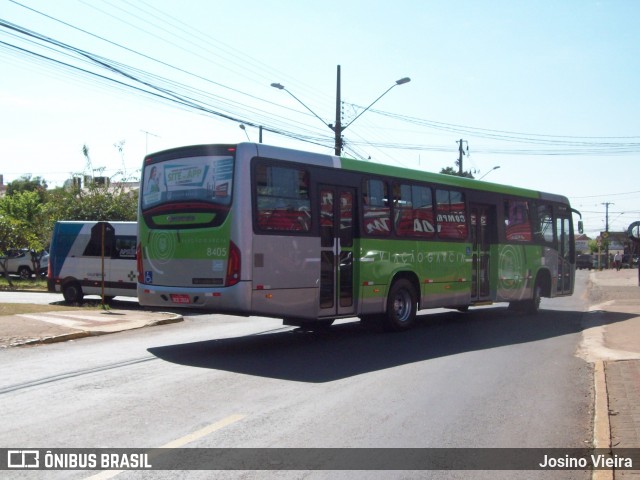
(487, 378)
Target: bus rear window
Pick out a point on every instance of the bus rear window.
(201, 179)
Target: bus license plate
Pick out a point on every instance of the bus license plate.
(180, 298)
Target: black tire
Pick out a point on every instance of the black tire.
(72, 292)
(402, 305)
(24, 272)
(531, 306)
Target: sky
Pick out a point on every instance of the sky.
(544, 90)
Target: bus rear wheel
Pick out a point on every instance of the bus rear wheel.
(402, 305)
(72, 292)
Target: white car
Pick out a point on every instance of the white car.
(21, 262)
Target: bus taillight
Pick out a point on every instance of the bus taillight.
(139, 263)
(233, 265)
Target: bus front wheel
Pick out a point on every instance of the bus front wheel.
(72, 292)
(531, 306)
(402, 306)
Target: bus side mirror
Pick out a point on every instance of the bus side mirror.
(634, 231)
(580, 226)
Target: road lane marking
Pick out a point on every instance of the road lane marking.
(180, 442)
(203, 432)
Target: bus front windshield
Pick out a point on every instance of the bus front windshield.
(195, 179)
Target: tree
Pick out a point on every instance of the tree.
(13, 234)
(28, 184)
(452, 171)
(23, 225)
(95, 202)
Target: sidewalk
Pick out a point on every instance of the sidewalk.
(613, 338)
(61, 325)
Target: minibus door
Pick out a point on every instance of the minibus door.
(481, 221)
(336, 251)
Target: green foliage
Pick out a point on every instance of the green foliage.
(28, 184)
(593, 245)
(96, 202)
(452, 171)
(25, 206)
(21, 216)
(14, 233)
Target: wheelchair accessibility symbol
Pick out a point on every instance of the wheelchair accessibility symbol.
(148, 277)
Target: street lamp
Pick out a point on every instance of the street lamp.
(244, 129)
(337, 128)
(494, 168)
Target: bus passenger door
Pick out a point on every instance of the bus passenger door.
(565, 256)
(481, 221)
(336, 251)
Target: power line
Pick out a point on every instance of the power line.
(190, 97)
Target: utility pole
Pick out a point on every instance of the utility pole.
(338, 125)
(338, 128)
(606, 230)
(606, 217)
(461, 154)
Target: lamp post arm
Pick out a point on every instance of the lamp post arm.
(402, 81)
(301, 103)
(371, 105)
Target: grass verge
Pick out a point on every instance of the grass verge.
(17, 308)
(38, 284)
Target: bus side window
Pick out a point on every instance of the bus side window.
(544, 224)
(375, 208)
(101, 240)
(517, 221)
(413, 210)
(451, 214)
(125, 247)
(282, 199)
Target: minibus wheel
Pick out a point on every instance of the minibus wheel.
(72, 292)
(402, 304)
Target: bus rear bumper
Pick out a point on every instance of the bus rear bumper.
(235, 299)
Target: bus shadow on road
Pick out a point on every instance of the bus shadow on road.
(349, 349)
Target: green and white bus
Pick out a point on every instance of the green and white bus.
(252, 229)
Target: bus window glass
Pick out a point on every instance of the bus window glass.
(544, 225)
(346, 219)
(125, 247)
(282, 198)
(207, 179)
(413, 210)
(451, 214)
(94, 247)
(375, 207)
(517, 221)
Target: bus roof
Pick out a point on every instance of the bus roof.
(444, 179)
(362, 166)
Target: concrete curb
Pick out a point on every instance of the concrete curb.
(601, 426)
(174, 318)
